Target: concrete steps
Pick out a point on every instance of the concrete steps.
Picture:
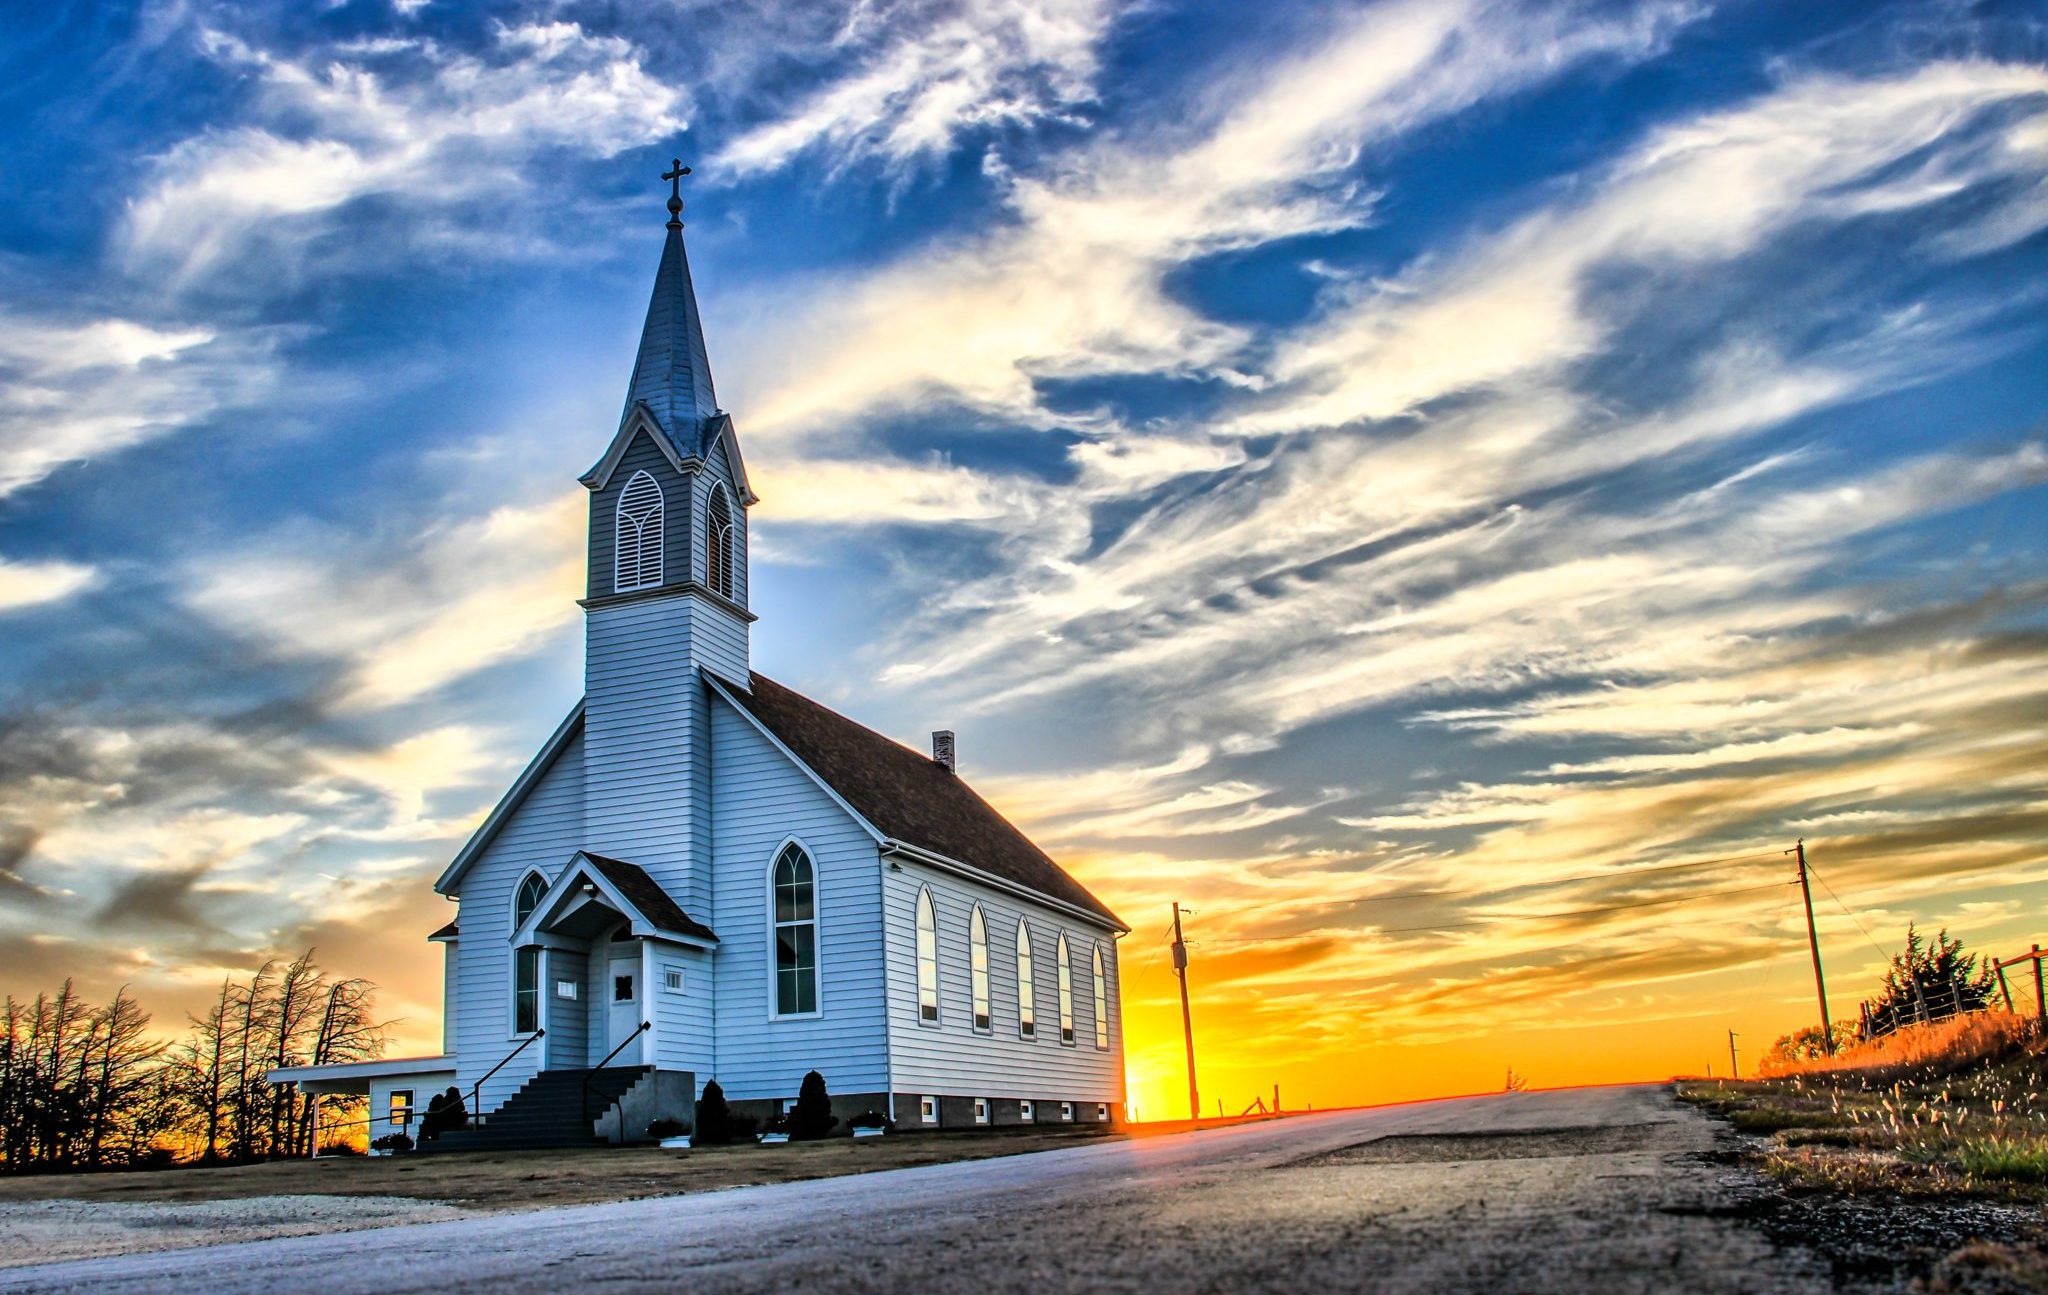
(549, 1110)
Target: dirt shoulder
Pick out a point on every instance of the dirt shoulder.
(52, 1217)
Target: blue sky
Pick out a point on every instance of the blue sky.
(1310, 455)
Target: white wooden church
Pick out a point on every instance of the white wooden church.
(707, 875)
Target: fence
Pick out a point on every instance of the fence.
(1954, 999)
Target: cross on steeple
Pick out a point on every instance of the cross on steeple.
(674, 175)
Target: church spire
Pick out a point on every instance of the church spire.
(672, 373)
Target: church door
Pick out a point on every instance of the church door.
(627, 1000)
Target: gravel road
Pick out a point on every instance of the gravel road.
(1570, 1191)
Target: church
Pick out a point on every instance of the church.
(705, 874)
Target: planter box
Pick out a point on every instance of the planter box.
(869, 1133)
(677, 1144)
(770, 1139)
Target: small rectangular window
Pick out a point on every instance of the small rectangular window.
(981, 1110)
(1024, 1112)
(622, 989)
(1101, 1111)
(401, 1107)
(565, 989)
(672, 979)
(928, 1109)
(1067, 1111)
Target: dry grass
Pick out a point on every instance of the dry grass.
(496, 1180)
(1955, 1108)
(1957, 1044)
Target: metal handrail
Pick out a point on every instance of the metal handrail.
(583, 1098)
(476, 1090)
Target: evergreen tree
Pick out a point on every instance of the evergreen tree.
(714, 1117)
(1931, 982)
(812, 1118)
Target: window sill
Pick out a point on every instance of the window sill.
(795, 1016)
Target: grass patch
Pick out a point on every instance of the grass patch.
(2004, 1160)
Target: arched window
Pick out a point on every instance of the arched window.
(977, 967)
(1027, 1008)
(1066, 992)
(526, 961)
(927, 960)
(718, 542)
(1101, 1003)
(796, 933)
(638, 533)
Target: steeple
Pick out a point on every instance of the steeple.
(672, 372)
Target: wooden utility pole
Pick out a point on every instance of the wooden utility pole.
(1734, 1070)
(1820, 985)
(1187, 1020)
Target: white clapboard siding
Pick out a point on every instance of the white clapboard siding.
(952, 1058)
(763, 800)
(541, 835)
(682, 1022)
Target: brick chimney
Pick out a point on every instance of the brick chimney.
(942, 749)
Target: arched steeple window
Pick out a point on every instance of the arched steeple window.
(638, 533)
(796, 933)
(526, 961)
(718, 542)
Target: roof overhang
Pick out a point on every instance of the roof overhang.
(721, 431)
(528, 779)
(355, 1076)
(904, 849)
(572, 894)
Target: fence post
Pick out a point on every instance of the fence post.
(2040, 998)
(2004, 988)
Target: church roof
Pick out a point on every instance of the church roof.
(672, 371)
(908, 796)
(646, 894)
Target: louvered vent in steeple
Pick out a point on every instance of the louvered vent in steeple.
(639, 535)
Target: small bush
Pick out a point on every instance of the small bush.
(776, 1123)
(871, 1120)
(392, 1142)
(340, 1149)
(813, 1117)
(715, 1124)
(667, 1129)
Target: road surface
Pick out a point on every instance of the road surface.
(1570, 1191)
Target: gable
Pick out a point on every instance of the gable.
(908, 797)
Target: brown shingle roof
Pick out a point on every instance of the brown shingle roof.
(909, 796)
(645, 894)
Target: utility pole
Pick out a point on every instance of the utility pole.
(1734, 1070)
(1820, 985)
(1187, 1020)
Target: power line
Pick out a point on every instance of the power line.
(1845, 910)
(1520, 917)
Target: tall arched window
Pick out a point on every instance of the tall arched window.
(927, 960)
(1101, 1003)
(977, 967)
(1066, 992)
(796, 933)
(526, 961)
(718, 542)
(1027, 1007)
(638, 535)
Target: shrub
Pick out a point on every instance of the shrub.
(871, 1120)
(778, 1123)
(666, 1128)
(340, 1149)
(392, 1142)
(812, 1118)
(715, 1124)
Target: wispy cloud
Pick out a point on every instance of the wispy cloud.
(919, 76)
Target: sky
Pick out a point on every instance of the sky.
(1449, 491)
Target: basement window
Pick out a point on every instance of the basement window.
(1067, 1112)
(981, 1110)
(928, 1110)
(1024, 1112)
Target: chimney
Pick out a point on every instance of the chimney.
(942, 749)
